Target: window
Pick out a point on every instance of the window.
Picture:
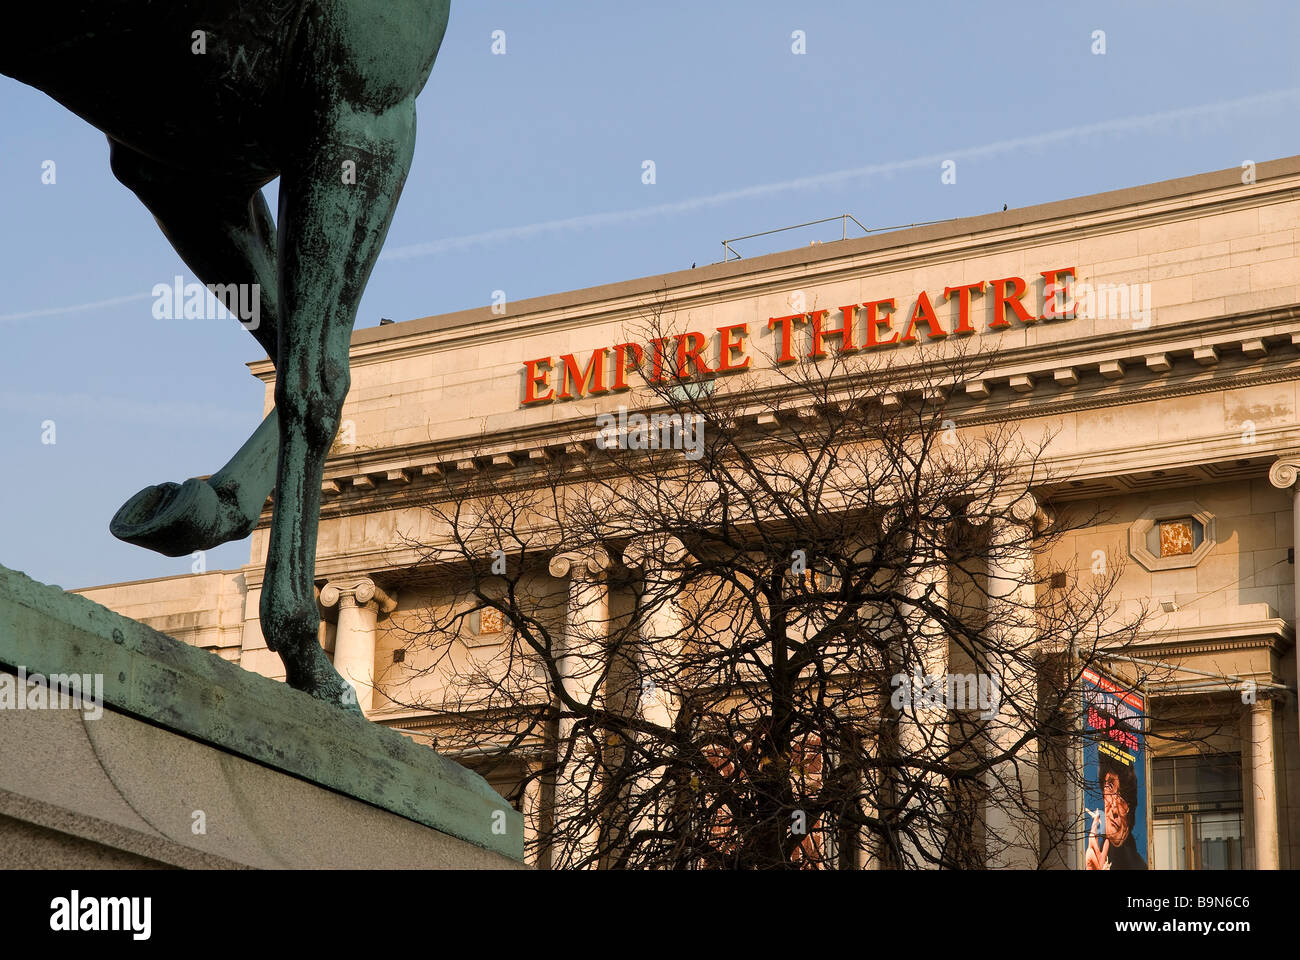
(1198, 817)
(1172, 536)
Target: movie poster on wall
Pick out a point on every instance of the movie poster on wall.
(1114, 774)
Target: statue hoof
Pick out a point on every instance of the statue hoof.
(337, 692)
(178, 519)
(311, 671)
(345, 700)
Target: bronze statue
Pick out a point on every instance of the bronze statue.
(204, 102)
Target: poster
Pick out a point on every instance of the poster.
(1114, 774)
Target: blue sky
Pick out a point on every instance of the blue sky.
(528, 178)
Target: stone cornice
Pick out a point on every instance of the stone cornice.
(1273, 634)
(435, 722)
(1197, 454)
(354, 476)
(951, 240)
(1185, 380)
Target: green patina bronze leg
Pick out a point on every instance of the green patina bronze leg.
(175, 519)
(331, 232)
(224, 233)
(333, 113)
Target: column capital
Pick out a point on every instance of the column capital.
(357, 591)
(655, 549)
(593, 562)
(1016, 505)
(939, 516)
(1285, 470)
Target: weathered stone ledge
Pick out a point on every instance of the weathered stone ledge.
(189, 691)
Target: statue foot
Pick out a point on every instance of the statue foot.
(341, 695)
(178, 519)
(319, 678)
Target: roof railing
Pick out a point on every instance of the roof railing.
(729, 254)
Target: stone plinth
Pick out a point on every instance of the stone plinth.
(194, 762)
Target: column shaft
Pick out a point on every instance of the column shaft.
(923, 725)
(580, 663)
(1264, 784)
(354, 648)
(1011, 813)
(658, 657)
(1285, 475)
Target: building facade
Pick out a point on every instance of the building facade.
(1152, 333)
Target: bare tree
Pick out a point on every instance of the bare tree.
(792, 624)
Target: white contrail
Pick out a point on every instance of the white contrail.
(619, 217)
(97, 409)
(1117, 126)
(54, 311)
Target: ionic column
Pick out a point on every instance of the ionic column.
(1263, 781)
(872, 786)
(867, 853)
(923, 726)
(659, 647)
(661, 627)
(1285, 475)
(580, 663)
(359, 601)
(1011, 812)
(581, 659)
(532, 812)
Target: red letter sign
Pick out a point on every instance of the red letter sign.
(875, 321)
(844, 332)
(594, 374)
(726, 348)
(532, 378)
(923, 313)
(785, 355)
(1002, 300)
(963, 304)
